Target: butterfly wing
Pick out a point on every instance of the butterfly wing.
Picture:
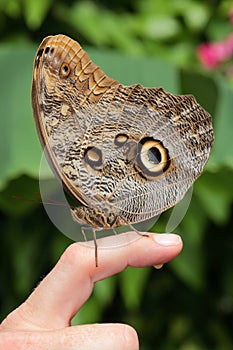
(61, 88)
(128, 151)
(152, 147)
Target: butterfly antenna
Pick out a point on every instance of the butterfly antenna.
(49, 201)
(26, 199)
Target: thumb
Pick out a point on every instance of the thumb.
(85, 337)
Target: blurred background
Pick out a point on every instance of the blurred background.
(185, 46)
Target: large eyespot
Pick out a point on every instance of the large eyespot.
(93, 157)
(65, 70)
(120, 139)
(152, 157)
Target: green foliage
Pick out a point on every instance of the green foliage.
(189, 303)
(21, 152)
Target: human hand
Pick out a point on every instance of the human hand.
(42, 322)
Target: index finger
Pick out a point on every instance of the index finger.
(64, 290)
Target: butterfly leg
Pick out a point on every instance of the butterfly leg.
(115, 231)
(138, 232)
(96, 247)
(145, 235)
(95, 242)
(83, 233)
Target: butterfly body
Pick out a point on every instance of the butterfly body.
(127, 153)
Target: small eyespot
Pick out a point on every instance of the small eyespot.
(93, 157)
(120, 140)
(53, 121)
(152, 159)
(47, 50)
(65, 70)
(38, 57)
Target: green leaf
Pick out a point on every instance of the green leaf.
(104, 290)
(11, 7)
(161, 28)
(89, 313)
(189, 265)
(203, 87)
(85, 18)
(132, 284)
(215, 192)
(20, 151)
(128, 70)
(35, 12)
(12, 197)
(222, 154)
(196, 15)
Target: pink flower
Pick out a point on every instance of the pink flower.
(207, 55)
(211, 54)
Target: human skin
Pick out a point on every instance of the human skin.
(43, 321)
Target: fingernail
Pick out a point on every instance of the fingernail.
(167, 239)
(158, 267)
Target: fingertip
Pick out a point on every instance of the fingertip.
(167, 239)
(131, 337)
(101, 336)
(111, 336)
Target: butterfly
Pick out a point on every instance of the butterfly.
(126, 153)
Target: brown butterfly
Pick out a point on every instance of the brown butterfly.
(127, 153)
